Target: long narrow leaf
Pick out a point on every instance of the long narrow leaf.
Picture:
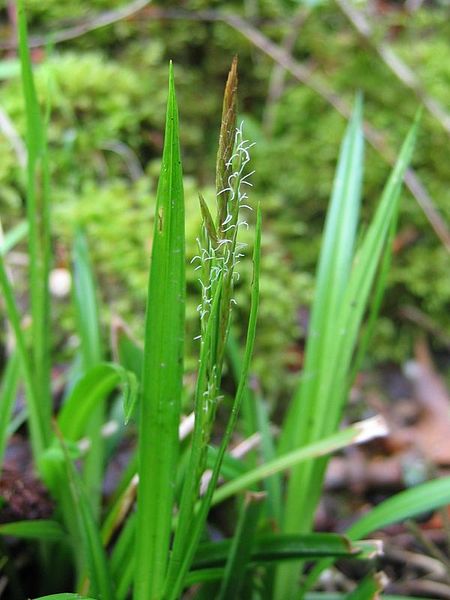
(355, 303)
(304, 418)
(329, 394)
(304, 422)
(64, 596)
(160, 407)
(277, 547)
(86, 304)
(34, 530)
(375, 304)
(249, 420)
(88, 326)
(404, 505)
(241, 547)
(100, 583)
(8, 392)
(39, 427)
(38, 216)
(360, 285)
(204, 576)
(366, 263)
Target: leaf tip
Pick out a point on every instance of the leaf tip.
(171, 79)
(357, 112)
(418, 117)
(370, 429)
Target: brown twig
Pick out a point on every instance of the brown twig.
(430, 565)
(391, 59)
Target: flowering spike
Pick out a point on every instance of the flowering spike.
(226, 139)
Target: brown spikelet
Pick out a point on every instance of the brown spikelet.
(226, 139)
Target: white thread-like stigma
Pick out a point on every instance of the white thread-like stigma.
(227, 251)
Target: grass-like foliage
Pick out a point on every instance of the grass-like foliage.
(160, 405)
(150, 539)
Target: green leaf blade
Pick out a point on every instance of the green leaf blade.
(88, 325)
(303, 422)
(64, 596)
(404, 505)
(34, 530)
(39, 431)
(163, 369)
(278, 547)
(241, 547)
(8, 392)
(92, 549)
(38, 217)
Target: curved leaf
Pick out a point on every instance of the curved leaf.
(92, 388)
(160, 406)
(404, 505)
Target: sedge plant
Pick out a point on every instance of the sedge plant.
(151, 539)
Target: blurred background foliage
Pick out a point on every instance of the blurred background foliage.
(106, 93)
